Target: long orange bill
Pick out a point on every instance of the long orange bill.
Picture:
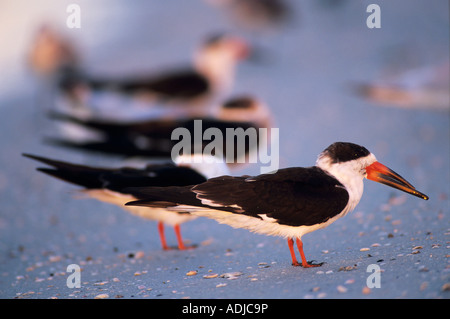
(379, 173)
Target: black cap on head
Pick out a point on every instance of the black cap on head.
(344, 152)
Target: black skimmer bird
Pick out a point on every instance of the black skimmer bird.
(192, 89)
(288, 203)
(153, 138)
(107, 184)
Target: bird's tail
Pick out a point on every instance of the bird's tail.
(85, 176)
(163, 197)
(176, 198)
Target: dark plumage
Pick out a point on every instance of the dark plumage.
(109, 184)
(116, 179)
(289, 196)
(290, 203)
(153, 138)
(183, 84)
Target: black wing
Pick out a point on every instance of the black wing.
(154, 138)
(292, 196)
(124, 146)
(163, 196)
(177, 84)
(153, 128)
(117, 179)
(159, 128)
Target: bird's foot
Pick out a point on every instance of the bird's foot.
(308, 264)
(184, 247)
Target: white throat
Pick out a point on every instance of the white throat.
(218, 67)
(350, 174)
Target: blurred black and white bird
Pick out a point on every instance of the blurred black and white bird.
(153, 138)
(108, 184)
(289, 203)
(192, 88)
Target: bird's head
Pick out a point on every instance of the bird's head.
(218, 56)
(350, 162)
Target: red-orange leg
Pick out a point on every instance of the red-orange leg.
(291, 249)
(161, 236)
(304, 263)
(179, 238)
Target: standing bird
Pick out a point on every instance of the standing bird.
(290, 202)
(176, 91)
(107, 184)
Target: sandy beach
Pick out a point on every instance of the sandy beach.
(306, 75)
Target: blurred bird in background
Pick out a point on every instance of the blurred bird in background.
(189, 90)
(107, 184)
(425, 87)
